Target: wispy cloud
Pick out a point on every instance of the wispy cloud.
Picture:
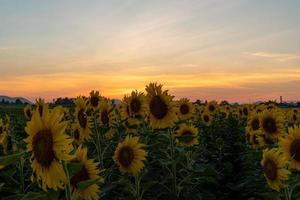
(282, 57)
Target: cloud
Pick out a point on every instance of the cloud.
(282, 57)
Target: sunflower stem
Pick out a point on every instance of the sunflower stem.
(174, 173)
(137, 187)
(98, 146)
(287, 193)
(68, 186)
(22, 174)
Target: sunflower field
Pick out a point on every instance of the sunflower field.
(149, 146)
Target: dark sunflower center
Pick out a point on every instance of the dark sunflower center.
(245, 111)
(82, 175)
(255, 124)
(269, 125)
(126, 156)
(211, 108)
(104, 117)
(158, 107)
(270, 169)
(206, 118)
(41, 109)
(184, 109)
(295, 149)
(28, 113)
(42, 144)
(76, 134)
(135, 105)
(82, 119)
(94, 101)
(294, 117)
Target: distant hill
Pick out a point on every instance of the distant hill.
(13, 99)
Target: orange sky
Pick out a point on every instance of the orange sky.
(239, 50)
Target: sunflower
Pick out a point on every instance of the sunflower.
(161, 107)
(2, 129)
(274, 168)
(293, 117)
(106, 116)
(88, 171)
(28, 111)
(224, 112)
(81, 118)
(49, 144)
(41, 106)
(129, 155)
(290, 146)
(206, 118)
(94, 99)
(76, 133)
(212, 107)
(253, 122)
(187, 135)
(185, 108)
(257, 139)
(246, 110)
(135, 104)
(272, 124)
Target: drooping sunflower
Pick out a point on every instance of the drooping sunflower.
(82, 119)
(130, 155)
(28, 111)
(272, 124)
(187, 135)
(290, 146)
(185, 109)
(162, 111)
(212, 107)
(135, 104)
(94, 100)
(88, 171)
(49, 145)
(206, 118)
(274, 168)
(41, 106)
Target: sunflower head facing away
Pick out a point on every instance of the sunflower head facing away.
(290, 146)
(130, 155)
(161, 107)
(274, 168)
(49, 144)
(187, 135)
(89, 171)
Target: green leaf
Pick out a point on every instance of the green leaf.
(10, 159)
(85, 184)
(73, 168)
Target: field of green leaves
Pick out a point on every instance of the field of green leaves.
(149, 146)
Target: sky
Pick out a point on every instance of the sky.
(238, 50)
